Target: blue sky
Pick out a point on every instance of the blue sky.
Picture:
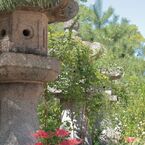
(133, 10)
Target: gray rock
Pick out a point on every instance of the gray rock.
(110, 136)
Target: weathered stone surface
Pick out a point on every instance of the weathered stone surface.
(110, 136)
(24, 68)
(18, 118)
(19, 67)
(96, 48)
(17, 35)
(111, 96)
(70, 23)
(109, 132)
(113, 73)
(65, 12)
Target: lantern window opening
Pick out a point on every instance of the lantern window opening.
(3, 33)
(26, 32)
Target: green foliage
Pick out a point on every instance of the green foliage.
(80, 73)
(77, 73)
(6, 5)
(49, 112)
(121, 39)
(132, 114)
(86, 21)
(78, 76)
(130, 90)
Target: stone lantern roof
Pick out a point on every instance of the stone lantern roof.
(56, 10)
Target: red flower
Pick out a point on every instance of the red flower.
(61, 133)
(38, 143)
(71, 142)
(130, 139)
(40, 134)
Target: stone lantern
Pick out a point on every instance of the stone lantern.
(24, 63)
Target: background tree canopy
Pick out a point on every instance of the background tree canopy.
(81, 73)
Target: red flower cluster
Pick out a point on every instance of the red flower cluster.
(61, 133)
(130, 139)
(40, 134)
(39, 143)
(71, 142)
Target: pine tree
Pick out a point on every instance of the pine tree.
(102, 18)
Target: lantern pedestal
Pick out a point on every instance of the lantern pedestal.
(18, 113)
(21, 84)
